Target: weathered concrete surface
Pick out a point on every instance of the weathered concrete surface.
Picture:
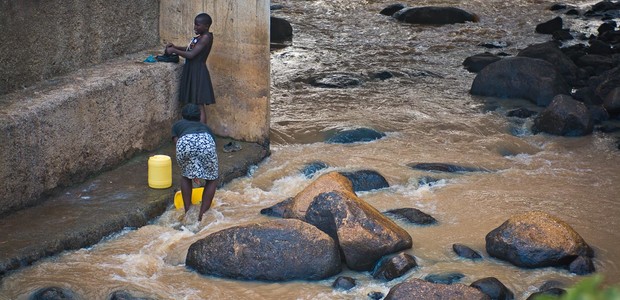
(61, 131)
(46, 39)
(83, 214)
(239, 61)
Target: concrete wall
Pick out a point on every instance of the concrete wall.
(60, 132)
(99, 105)
(43, 39)
(239, 61)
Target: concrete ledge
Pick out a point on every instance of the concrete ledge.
(62, 131)
(118, 198)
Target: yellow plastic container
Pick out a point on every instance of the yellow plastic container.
(196, 197)
(160, 171)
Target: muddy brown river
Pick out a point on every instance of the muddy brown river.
(427, 114)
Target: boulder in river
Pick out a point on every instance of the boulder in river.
(465, 252)
(564, 116)
(444, 278)
(444, 167)
(520, 77)
(415, 288)
(362, 232)
(392, 9)
(280, 30)
(551, 53)
(550, 26)
(53, 293)
(332, 181)
(355, 135)
(335, 81)
(412, 215)
(477, 62)
(536, 239)
(392, 267)
(494, 288)
(311, 168)
(344, 283)
(366, 180)
(277, 250)
(434, 15)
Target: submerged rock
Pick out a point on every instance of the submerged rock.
(356, 135)
(392, 9)
(415, 288)
(412, 215)
(443, 167)
(582, 265)
(465, 252)
(277, 250)
(444, 278)
(54, 293)
(362, 232)
(536, 239)
(311, 168)
(335, 81)
(366, 180)
(124, 295)
(434, 15)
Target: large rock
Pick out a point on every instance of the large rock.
(536, 239)
(551, 53)
(520, 77)
(434, 15)
(362, 232)
(280, 30)
(493, 288)
(564, 116)
(477, 62)
(392, 267)
(277, 250)
(415, 289)
(332, 181)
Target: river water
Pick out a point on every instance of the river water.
(428, 115)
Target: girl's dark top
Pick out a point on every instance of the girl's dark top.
(196, 84)
(184, 127)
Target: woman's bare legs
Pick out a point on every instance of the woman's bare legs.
(203, 114)
(186, 192)
(207, 197)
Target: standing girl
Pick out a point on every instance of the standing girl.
(196, 84)
(196, 156)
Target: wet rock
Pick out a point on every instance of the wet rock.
(465, 252)
(564, 116)
(444, 278)
(332, 181)
(356, 135)
(392, 267)
(375, 295)
(598, 114)
(562, 35)
(599, 63)
(551, 53)
(344, 283)
(427, 180)
(383, 75)
(54, 293)
(443, 167)
(124, 295)
(362, 232)
(494, 44)
(280, 31)
(311, 168)
(279, 209)
(558, 6)
(277, 250)
(392, 9)
(335, 81)
(366, 180)
(550, 292)
(434, 15)
(522, 113)
(587, 96)
(611, 103)
(536, 239)
(550, 26)
(494, 288)
(520, 77)
(419, 289)
(600, 47)
(551, 284)
(412, 215)
(582, 265)
(477, 62)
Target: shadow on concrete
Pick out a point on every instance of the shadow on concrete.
(81, 215)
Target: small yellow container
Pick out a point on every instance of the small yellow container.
(196, 197)
(160, 171)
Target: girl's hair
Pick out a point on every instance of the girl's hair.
(204, 18)
(191, 112)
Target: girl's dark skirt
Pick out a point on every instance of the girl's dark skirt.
(197, 156)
